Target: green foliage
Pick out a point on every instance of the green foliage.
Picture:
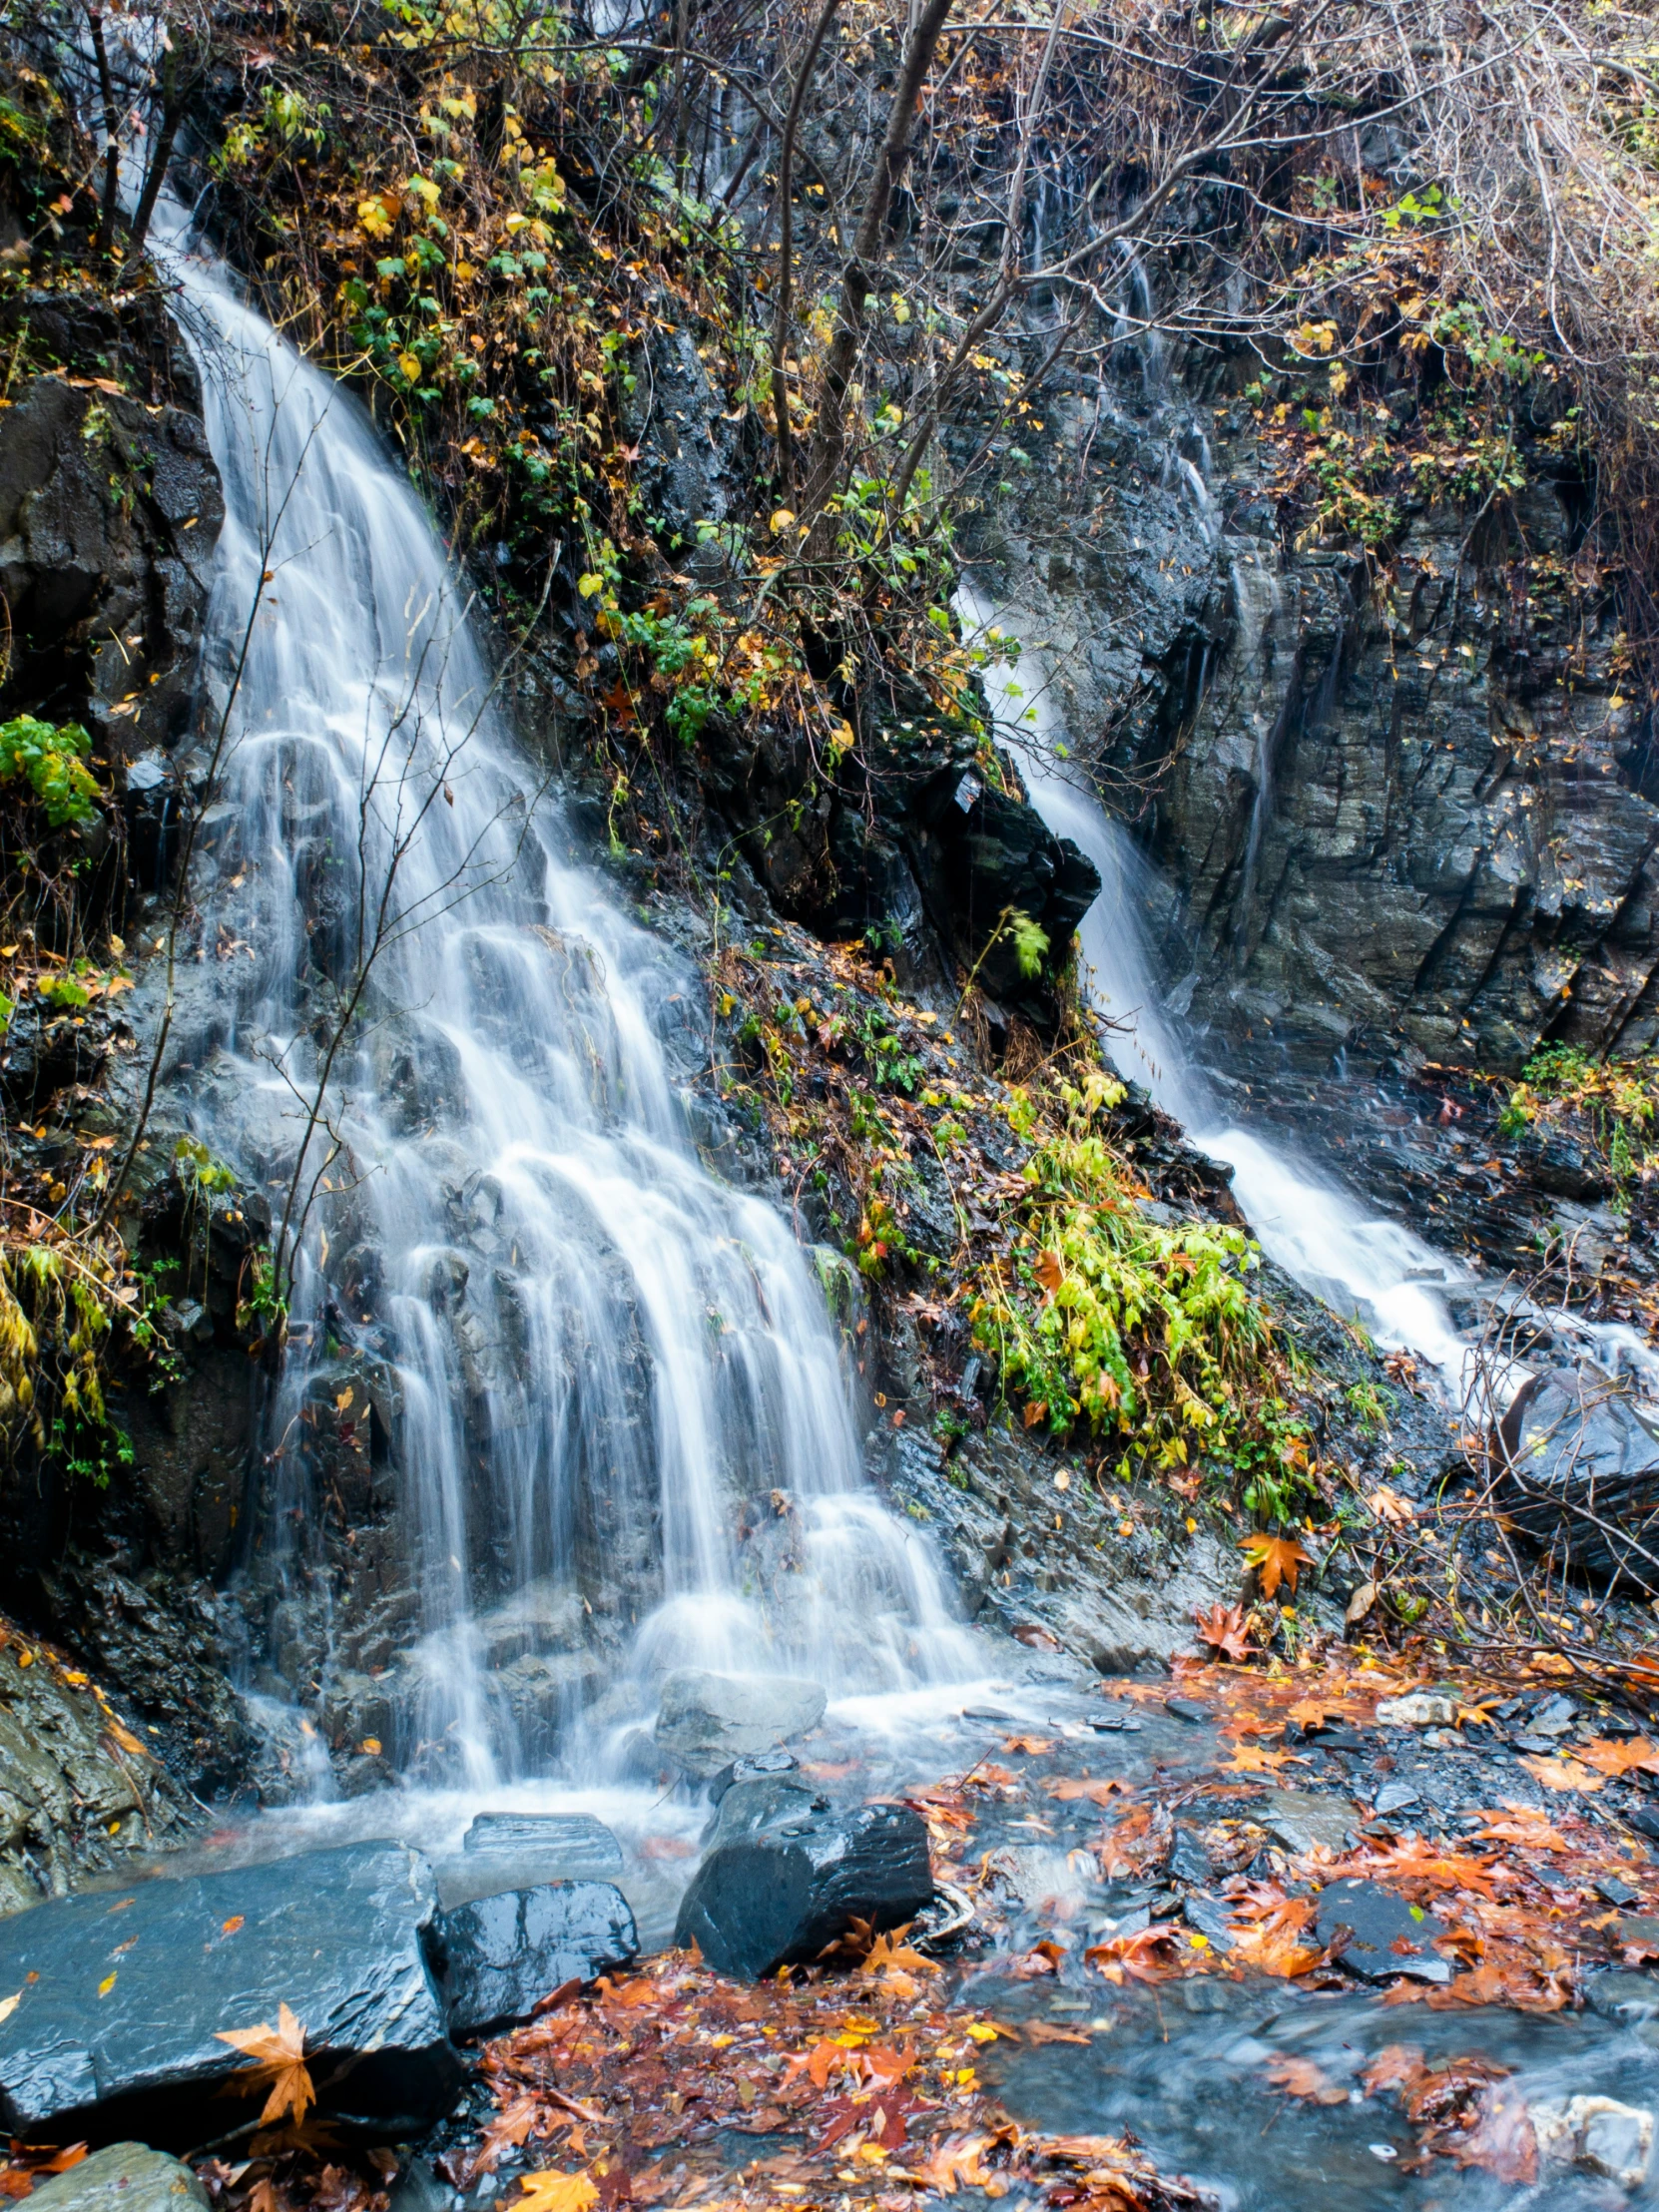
(199, 1171)
(1610, 1104)
(51, 759)
(1130, 1324)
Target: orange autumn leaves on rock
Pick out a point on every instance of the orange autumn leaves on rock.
(1275, 1559)
(1225, 1629)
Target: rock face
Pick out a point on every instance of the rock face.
(785, 1876)
(1581, 1474)
(115, 2030)
(78, 1789)
(109, 515)
(123, 2177)
(500, 1955)
(1416, 821)
(706, 1721)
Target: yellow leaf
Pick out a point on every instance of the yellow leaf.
(105, 1985)
(556, 2192)
(782, 520)
(408, 365)
(278, 2055)
(372, 218)
(589, 584)
(344, 1399)
(10, 2005)
(372, 1745)
(466, 272)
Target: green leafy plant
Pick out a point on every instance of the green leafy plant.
(51, 759)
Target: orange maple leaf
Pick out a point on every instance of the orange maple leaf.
(1519, 1823)
(1275, 1559)
(278, 2054)
(1073, 1788)
(556, 2192)
(1564, 1774)
(1613, 1757)
(1300, 2078)
(1225, 1630)
(1135, 1956)
(1252, 1759)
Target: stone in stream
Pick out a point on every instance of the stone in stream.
(1188, 1709)
(121, 1997)
(124, 2177)
(706, 1721)
(1581, 1464)
(1611, 2139)
(1420, 1709)
(499, 1955)
(1386, 1934)
(519, 1850)
(1623, 1996)
(1300, 1819)
(786, 1875)
(1188, 1859)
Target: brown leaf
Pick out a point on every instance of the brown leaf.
(1300, 2078)
(1564, 1774)
(279, 2055)
(552, 2191)
(1223, 1629)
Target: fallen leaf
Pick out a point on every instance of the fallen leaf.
(1076, 1789)
(9, 2006)
(1300, 2078)
(1146, 1955)
(1564, 1774)
(1608, 1757)
(552, 2191)
(1032, 1746)
(1275, 1559)
(277, 2054)
(1252, 1759)
(1223, 1629)
(229, 1926)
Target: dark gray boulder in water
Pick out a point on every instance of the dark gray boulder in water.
(1580, 1475)
(1384, 1936)
(786, 1875)
(124, 2177)
(120, 1998)
(498, 1957)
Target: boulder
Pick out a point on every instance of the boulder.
(124, 2177)
(1385, 1935)
(582, 1845)
(1300, 1819)
(498, 1957)
(706, 1721)
(1580, 1475)
(120, 1998)
(786, 1875)
(1611, 2139)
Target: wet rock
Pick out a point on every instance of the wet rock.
(1636, 1932)
(1421, 1709)
(781, 1892)
(519, 1850)
(752, 1768)
(1581, 1474)
(1612, 2140)
(122, 1997)
(1394, 1797)
(1188, 1859)
(123, 2177)
(1187, 1709)
(1211, 1917)
(1386, 1937)
(581, 1844)
(1627, 1998)
(498, 1957)
(1300, 1819)
(706, 1721)
(1613, 1890)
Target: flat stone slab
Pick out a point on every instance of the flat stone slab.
(1300, 1819)
(124, 2177)
(1388, 1936)
(120, 1998)
(500, 1955)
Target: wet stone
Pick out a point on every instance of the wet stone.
(782, 1892)
(1300, 1819)
(1187, 1709)
(123, 2177)
(498, 1957)
(1394, 1797)
(1209, 1916)
(582, 1847)
(1624, 1997)
(1188, 1859)
(706, 1721)
(1613, 1890)
(122, 1997)
(1386, 1936)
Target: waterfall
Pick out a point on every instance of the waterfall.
(601, 1353)
(1356, 1261)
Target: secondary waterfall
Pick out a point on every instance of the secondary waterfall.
(600, 1353)
(1354, 1260)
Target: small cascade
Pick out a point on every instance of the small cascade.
(1354, 1260)
(590, 1357)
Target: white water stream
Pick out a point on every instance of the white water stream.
(602, 1350)
(1358, 1262)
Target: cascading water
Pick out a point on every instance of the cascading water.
(1354, 1260)
(600, 1352)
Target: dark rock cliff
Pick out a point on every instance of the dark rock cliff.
(1403, 810)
